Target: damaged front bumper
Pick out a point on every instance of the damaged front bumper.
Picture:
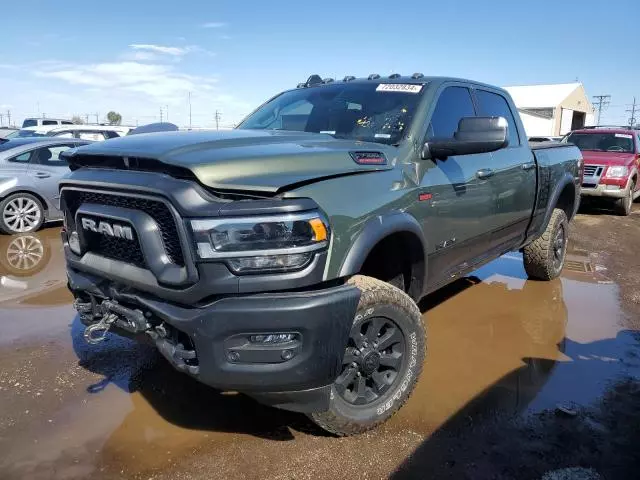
(284, 349)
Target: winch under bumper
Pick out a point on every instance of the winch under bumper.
(275, 344)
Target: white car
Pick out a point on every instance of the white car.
(43, 125)
(89, 132)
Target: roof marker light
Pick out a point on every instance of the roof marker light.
(348, 78)
(394, 75)
(417, 75)
(373, 76)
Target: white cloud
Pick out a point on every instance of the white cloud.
(140, 56)
(175, 51)
(214, 25)
(161, 82)
(136, 83)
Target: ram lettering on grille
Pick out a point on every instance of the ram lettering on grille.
(105, 228)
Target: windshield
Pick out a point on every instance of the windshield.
(374, 112)
(30, 122)
(602, 142)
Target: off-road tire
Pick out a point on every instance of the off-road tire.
(6, 228)
(380, 299)
(625, 205)
(539, 255)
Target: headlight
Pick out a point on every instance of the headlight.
(617, 172)
(270, 243)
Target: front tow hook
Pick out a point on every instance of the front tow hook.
(111, 313)
(97, 332)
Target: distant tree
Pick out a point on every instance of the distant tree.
(77, 119)
(114, 118)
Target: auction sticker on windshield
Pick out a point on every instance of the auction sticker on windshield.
(399, 87)
(623, 135)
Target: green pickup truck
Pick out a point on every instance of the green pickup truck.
(284, 258)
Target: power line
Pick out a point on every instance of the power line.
(632, 111)
(602, 101)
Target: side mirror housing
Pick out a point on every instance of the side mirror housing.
(474, 135)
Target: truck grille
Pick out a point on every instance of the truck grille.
(592, 170)
(116, 248)
(125, 250)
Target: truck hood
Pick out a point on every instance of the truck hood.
(607, 158)
(248, 160)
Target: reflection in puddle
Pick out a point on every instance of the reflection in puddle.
(33, 277)
(497, 344)
(32, 265)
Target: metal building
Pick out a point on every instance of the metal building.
(552, 110)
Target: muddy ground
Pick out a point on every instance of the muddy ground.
(522, 377)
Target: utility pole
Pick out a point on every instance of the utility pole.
(86, 118)
(167, 110)
(218, 120)
(632, 111)
(189, 110)
(97, 118)
(602, 102)
(1, 120)
(160, 114)
(9, 117)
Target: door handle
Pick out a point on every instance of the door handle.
(484, 173)
(42, 175)
(528, 166)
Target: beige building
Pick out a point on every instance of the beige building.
(552, 110)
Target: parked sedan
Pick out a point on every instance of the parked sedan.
(30, 169)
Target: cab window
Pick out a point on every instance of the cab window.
(493, 105)
(453, 104)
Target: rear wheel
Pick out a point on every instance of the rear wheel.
(21, 213)
(625, 205)
(382, 362)
(544, 257)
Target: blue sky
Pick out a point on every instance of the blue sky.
(75, 57)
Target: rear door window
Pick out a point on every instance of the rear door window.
(23, 157)
(50, 156)
(67, 134)
(49, 122)
(453, 104)
(97, 136)
(493, 105)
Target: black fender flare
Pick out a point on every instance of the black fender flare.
(376, 229)
(566, 179)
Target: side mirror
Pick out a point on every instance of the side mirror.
(474, 135)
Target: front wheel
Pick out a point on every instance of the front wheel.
(21, 213)
(544, 257)
(382, 362)
(625, 205)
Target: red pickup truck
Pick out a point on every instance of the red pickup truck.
(611, 158)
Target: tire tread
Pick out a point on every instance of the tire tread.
(373, 291)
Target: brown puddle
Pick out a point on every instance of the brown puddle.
(497, 343)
